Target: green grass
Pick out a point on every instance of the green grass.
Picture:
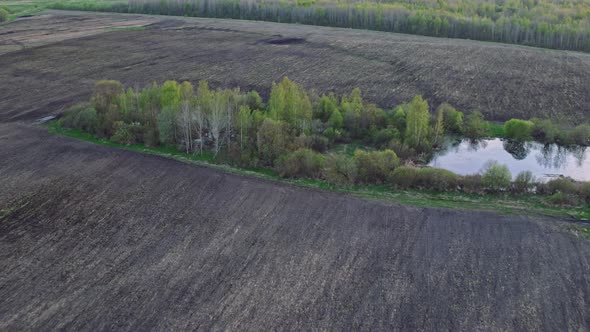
(496, 130)
(507, 204)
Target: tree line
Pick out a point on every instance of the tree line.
(542, 23)
(293, 132)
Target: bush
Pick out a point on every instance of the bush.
(452, 119)
(518, 129)
(402, 150)
(584, 191)
(523, 182)
(81, 117)
(475, 126)
(126, 133)
(375, 166)
(471, 183)
(404, 177)
(580, 135)
(340, 169)
(437, 179)
(384, 136)
(315, 142)
(562, 199)
(561, 185)
(3, 15)
(302, 163)
(496, 177)
(544, 131)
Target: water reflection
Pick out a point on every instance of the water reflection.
(468, 157)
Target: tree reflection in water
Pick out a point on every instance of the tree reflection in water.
(518, 150)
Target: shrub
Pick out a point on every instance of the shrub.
(584, 191)
(475, 126)
(562, 199)
(123, 134)
(580, 135)
(404, 177)
(518, 129)
(315, 142)
(302, 163)
(375, 166)
(496, 177)
(402, 150)
(81, 117)
(452, 119)
(523, 182)
(471, 183)
(340, 169)
(3, 15)
(561, 185)
(544, 130)
(384, 136)
(437, 179)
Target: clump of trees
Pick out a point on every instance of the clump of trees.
(293, 132)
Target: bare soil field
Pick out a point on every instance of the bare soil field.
(502, 81)
(94, 238)
(102, 239)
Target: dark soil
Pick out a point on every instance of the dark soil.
(67, 52)
(96, 238)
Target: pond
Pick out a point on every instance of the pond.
(545, 161)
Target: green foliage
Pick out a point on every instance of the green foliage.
(340, 170)
(382, 137)
(475, 126)
(80, 116)
(544, 131)
(404, 177)
(402, 150)
(472, 183)
(496, 177)
(167, 125)
(326, 106)
(561, 185)
(336, 120)
(302, 163)
(523, 182)
(124, 133)
(580, 135)
(519, 130)
(289, 103)
(452, 119)
(437, 179)
(398, 118)
(561, 199)
(253, 100)
(169, 95)
(375, 166)
(272, 140)
(438, 129)
(417, 120)
(3, 15)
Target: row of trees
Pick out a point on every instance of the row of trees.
(542, 23)
(292, 131)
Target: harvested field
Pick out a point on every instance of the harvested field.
(502, 81)
(94, 238)
(102, 239)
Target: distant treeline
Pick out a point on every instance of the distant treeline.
(299, 135)
(542, 23)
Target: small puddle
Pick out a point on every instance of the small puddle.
(45, 119)
(545, 161)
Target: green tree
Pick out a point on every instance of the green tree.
(453, 119)
(496, 177)
(289, 102)
(272, 140)
(475, 126)
(417, 119)
(519, 130)
(336, 119)
(170, 94)
(375, 166)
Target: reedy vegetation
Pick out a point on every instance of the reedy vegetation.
(294, 130)
(542, 23)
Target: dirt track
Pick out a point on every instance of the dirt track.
(500, 80)
(95, 238)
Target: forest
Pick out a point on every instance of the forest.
(298, 135)
(542, 23)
